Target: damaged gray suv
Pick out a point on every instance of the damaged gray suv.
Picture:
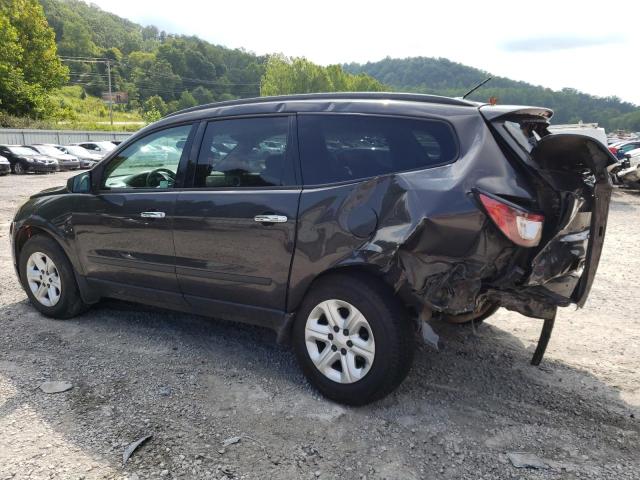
(344, 222)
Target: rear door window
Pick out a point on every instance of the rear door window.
(245, 153)
(338, 148)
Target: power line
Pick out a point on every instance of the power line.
(173, 76)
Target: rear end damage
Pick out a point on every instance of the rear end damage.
(517, 220)
(573, 189)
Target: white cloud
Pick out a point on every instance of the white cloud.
(586, 45)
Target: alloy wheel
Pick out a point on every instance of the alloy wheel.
(44, 279)
(340, 341)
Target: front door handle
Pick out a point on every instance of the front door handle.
(152, 214)
(270, 218)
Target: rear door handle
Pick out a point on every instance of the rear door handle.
(152, 214)
(270, 218)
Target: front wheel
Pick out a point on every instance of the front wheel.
(18, 169)
(353, 339)
(47, 278)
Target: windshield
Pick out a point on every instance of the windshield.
(48, 149)
(107, 145)
(22, 151)
(76, 150)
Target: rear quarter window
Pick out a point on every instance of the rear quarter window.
(339, 148)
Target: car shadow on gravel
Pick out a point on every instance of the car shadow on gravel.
(191, 380)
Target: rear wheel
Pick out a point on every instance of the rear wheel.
(353, 339)
(47, 277)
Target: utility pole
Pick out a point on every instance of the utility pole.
(110, 95)
(107, 62)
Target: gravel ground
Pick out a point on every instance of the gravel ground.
(192, 383)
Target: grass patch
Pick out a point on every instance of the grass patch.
(78, 111)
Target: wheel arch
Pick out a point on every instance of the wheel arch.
(27, 231)
(361, 270)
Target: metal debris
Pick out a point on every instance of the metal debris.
(429, 335)
(55, 387)
(231, 441)
(128, 451)
(526, 460)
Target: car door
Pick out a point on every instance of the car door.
(123, 229)
(234, 229)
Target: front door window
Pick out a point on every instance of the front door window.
(151, 162)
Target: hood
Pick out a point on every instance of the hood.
(51, 191)
(90, 156)
(64, 156)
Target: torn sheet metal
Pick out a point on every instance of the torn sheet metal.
(426, 235)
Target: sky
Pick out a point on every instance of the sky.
(591, 46)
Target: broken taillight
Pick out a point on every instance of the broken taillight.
(521, 227)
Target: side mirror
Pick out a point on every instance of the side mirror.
(80, 183)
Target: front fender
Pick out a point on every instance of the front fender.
(50, 215)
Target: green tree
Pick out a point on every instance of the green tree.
(154, 108)
(76, 41)
(202, 95)
(186, 100)
(29, 65)
(298, 75)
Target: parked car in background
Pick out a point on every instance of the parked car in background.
(87, 159)
(590, 129)
(23, 160)
(66, 161)
(101, 148)
(5, 166)
(360, 218)
(620, 149)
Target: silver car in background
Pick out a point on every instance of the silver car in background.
(101, 148)
(66, 161)
(87, 159)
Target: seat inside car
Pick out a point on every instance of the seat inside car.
(272, 173)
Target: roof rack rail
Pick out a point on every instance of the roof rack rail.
(409, 97)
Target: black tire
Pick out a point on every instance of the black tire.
(70, 303)
(477, 317)
(391, 328)
(18, 169)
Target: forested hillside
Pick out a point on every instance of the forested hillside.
(182, 71)
(444, 77)
(162, 72)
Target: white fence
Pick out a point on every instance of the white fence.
(17, 136)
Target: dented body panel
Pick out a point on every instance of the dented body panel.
(425, 234)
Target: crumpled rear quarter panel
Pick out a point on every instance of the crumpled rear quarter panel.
(421, 231)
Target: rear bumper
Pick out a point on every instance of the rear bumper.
(5, 168)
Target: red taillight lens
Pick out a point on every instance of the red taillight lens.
(521, 227)
(613, 150)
